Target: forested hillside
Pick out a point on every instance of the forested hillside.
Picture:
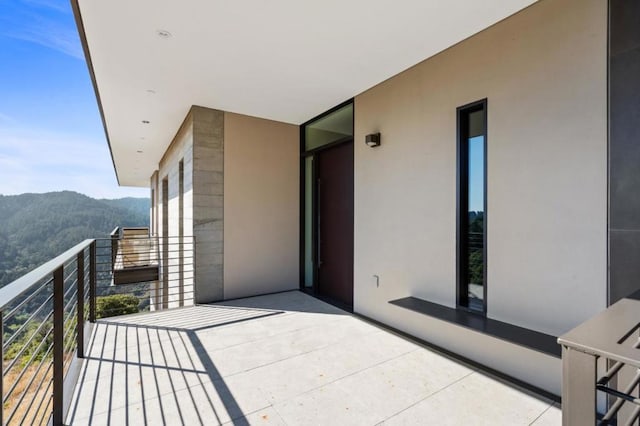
(139, 206)
(37, 227)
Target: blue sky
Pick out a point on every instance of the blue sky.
(51, 135)
(476, 174)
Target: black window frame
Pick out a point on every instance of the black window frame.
(304, 153)
(462, 195)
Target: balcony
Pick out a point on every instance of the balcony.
(284, 358)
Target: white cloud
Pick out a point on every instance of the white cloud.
(57, 5)
(51, 35)
(36, 27)
(33, 161)
(36, 160)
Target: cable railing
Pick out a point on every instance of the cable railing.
(46, 314)
(42, 322)
(143, 273)
(601, 367)
(475, 240)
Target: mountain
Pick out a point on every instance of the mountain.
(35, 228)
(139, 206)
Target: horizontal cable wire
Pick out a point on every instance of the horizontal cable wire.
(31, 381)
(44, 394)
(28, 299)
(10, 365)
(18, 332)
(8, 392)
(43, 398)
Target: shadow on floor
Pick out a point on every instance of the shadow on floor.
(163, 353)
(291, 301)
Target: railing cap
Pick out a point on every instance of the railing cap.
(23, 284)
(606, 333)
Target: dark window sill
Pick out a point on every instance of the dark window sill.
(529, 339)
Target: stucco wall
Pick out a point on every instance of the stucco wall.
(543, 72)
(240, 202)
(261, 209)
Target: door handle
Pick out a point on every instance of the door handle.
(319, 219)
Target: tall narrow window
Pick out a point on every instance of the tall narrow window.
(181, 232)
(472, 202)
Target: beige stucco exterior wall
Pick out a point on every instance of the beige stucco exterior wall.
(543, 72)
(261, 209)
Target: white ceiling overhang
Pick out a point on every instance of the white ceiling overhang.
(285, 60)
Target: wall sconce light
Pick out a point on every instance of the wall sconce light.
(372, 140)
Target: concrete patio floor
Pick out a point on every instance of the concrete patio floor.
(282, 359)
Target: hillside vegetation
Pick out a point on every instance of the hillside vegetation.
(35, 228)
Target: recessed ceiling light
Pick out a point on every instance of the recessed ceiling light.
(151, 92)
(163, 33)
(139, 151)
(142, 138)
(145, 122)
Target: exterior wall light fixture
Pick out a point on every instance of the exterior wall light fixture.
(372, 140)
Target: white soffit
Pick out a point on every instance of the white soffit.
(285, 60)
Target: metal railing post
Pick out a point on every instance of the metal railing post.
(579, 371)
(92, 282)
(80, 307)
(1, 369)
(115, 236)
(58, 346)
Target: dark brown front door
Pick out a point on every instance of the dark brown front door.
(335, 223)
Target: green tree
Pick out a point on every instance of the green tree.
(35, 228)
(116, 304)
(476, 267)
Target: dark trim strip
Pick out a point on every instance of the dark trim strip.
(301, 223)
(327, 112)
(530, 339)
(462, 214)
(87, 56)
(473, 364)
(608, 244)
